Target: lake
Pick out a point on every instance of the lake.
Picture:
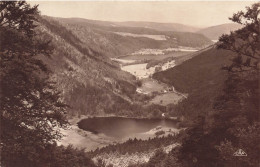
(120, 127)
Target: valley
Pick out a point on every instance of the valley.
(151, 61)
(78, 92)
(94, 63)
(140, 96)
(160, 93)
(134, 80)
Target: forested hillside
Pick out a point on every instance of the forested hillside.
(31, 109)
(196, 72)
(160, 26)
(56, 74)
(90, 82)
(114, 41)
(201, 77)
(151, 25)
(224, 108)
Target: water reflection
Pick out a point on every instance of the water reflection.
(121, 127)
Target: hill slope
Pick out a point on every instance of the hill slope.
(90, 82)
(215, 32)
(143, 24)
(159, 26)
(115, 41)
(201, 77)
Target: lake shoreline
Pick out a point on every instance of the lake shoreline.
(119, 116)
(89, 141)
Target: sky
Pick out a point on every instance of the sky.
(194, 13)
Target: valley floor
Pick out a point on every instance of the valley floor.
(162, 93)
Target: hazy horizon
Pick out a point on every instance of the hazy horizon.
(193, 13)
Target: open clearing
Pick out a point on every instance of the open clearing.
(154, 56)
(167, 98)
(150, 85)
(163, 51)
(155, 37)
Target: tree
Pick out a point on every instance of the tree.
(234, 122)
(198, 149)
(60, 156)
(241, 95)
(155, 160)
(245, 41)
(31, 109)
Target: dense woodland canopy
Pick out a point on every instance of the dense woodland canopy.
(31, 108)
(233, 121)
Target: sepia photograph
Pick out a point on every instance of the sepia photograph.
(117, 83)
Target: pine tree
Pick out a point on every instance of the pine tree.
(245, 42)
(235, 123)
(31, 109)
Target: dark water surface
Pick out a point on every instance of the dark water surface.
(121, 127)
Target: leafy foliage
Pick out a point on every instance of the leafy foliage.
(30, 105)
(234, 122)
(60, 156)
(245, 41)
(31, 108)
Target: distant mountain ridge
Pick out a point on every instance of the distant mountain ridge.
(160, 26)
(108, 40)
(177, 27)
(215, 32)
(212, 32)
